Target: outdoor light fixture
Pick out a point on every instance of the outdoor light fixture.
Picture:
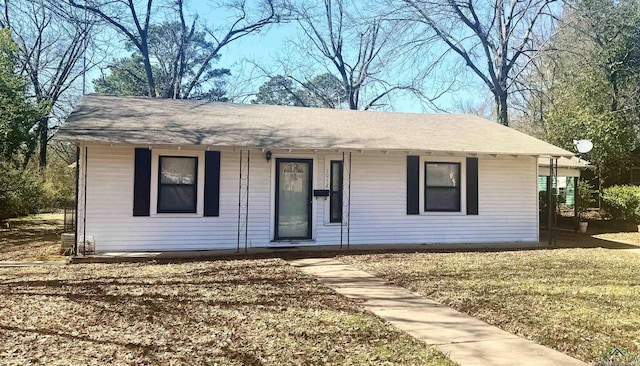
(268, 155)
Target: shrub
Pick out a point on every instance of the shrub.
(25, 191)
(622, 202)
(20, 191)
(59, 186)
(584, 198)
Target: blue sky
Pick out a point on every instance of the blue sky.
(272, 44)
(268, 46)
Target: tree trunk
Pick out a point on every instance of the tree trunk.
(43, 136)
(614, 90)
(148, 71)
(353, 98)
(501, 107)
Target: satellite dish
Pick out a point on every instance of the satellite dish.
(583, 146)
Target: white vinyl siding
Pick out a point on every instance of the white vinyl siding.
(507, 204)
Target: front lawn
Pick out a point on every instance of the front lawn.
(240, 312)
(578, 301)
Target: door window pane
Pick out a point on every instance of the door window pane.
(177, 186)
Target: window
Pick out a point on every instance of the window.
(335, 199)
(177, 184)
(442, 187)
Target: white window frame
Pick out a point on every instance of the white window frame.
(327, 185)
(155, 160)
(463, 184)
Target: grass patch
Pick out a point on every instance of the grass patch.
(237, 312)
(32, 238)
(578, 301)
(632, 238)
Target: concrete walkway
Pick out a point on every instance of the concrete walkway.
(466, 340)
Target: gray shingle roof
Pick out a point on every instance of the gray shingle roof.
(138, 120)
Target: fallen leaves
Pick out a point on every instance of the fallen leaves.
(241, 312)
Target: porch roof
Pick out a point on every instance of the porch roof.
(569, 163)
(139, 120)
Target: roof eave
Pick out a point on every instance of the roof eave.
(408, 150)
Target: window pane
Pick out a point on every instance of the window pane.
(336, 175)
(177, 170)
(335, 204)
(177, 199)
(443, 174)
(442, 199)
(336, 207)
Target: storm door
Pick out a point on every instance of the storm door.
(293, 199)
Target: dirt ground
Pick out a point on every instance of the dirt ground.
(33, 238)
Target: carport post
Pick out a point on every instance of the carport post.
(552, 203)
(576, 219)
(75, 219)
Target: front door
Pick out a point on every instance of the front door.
(293, 199)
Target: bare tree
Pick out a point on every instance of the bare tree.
(493, 39)
(53, 57)
(133, 20)
(358, 50)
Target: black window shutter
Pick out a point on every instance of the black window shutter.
(212, 183)
(472, 186)
(413, 185)
(142, 182)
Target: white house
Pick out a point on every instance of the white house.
(157, 174)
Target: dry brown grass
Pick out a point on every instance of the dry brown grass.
(236, 312)
(32, 238)
(578, 301)
(632, 238)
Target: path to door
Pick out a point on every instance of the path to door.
(466, 340)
